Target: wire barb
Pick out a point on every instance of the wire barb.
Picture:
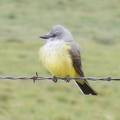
(35, 77)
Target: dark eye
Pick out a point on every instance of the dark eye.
(54, 35)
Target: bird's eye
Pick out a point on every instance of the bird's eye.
(54, 35)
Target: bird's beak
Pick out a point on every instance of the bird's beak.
(47, 36)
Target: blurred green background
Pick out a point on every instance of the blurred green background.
(94, 24)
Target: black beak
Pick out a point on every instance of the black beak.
(47, 36)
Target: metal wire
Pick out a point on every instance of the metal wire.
(55, 78)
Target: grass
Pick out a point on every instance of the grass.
(94, 24)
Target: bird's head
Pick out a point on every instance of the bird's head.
(58, 32)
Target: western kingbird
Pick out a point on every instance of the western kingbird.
(61, 56)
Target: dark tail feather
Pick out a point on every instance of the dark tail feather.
(86, 89)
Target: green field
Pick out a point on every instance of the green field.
(95, 26)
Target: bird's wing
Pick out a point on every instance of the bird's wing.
(76, 59)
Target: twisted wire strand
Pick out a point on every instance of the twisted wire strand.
(36, 77)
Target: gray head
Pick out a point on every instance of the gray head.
(58, 32)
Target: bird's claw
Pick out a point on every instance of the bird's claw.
(67, 79)
(54, 79)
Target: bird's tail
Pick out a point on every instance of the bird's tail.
(86, 89)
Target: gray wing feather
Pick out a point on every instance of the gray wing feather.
(76, 58)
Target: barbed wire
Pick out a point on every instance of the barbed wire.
(55, 78)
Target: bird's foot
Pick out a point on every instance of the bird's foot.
(67, 79)
(54, 79)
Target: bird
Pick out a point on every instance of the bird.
(61, 56)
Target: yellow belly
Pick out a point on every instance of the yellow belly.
(55, 57)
